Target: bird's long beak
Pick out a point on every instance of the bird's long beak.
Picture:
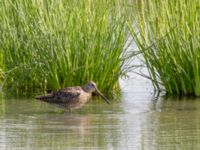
(100, 94)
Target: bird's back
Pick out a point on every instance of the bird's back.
(65, 95)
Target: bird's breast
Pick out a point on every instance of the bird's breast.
(84, 97)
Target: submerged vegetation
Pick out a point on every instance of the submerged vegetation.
(53, 44)
(167, 33)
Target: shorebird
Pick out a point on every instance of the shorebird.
(72, 97)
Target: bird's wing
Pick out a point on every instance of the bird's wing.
(67, 94)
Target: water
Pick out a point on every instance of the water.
(139, 121)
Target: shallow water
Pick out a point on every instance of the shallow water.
(139, 121)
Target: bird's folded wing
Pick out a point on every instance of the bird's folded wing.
(67, 94)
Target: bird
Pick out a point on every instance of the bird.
(71, 98)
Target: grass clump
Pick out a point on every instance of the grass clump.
(52, 44)
(1, 69)
(167, 33)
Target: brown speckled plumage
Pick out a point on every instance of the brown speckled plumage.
(72, 97)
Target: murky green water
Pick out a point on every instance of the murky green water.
(139, 121)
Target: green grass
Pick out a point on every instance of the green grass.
(1, 69)
(53, 44)
(167, 33)
(57, 43)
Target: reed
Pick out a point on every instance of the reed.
(53, 44)
(1, 69)
(167, 33)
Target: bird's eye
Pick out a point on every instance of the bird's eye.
(93, 85)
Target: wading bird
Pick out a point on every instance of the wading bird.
(72, 97)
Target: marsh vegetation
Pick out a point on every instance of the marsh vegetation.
(53, 44)
(167, 34)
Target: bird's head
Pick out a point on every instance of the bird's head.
(92, 87)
